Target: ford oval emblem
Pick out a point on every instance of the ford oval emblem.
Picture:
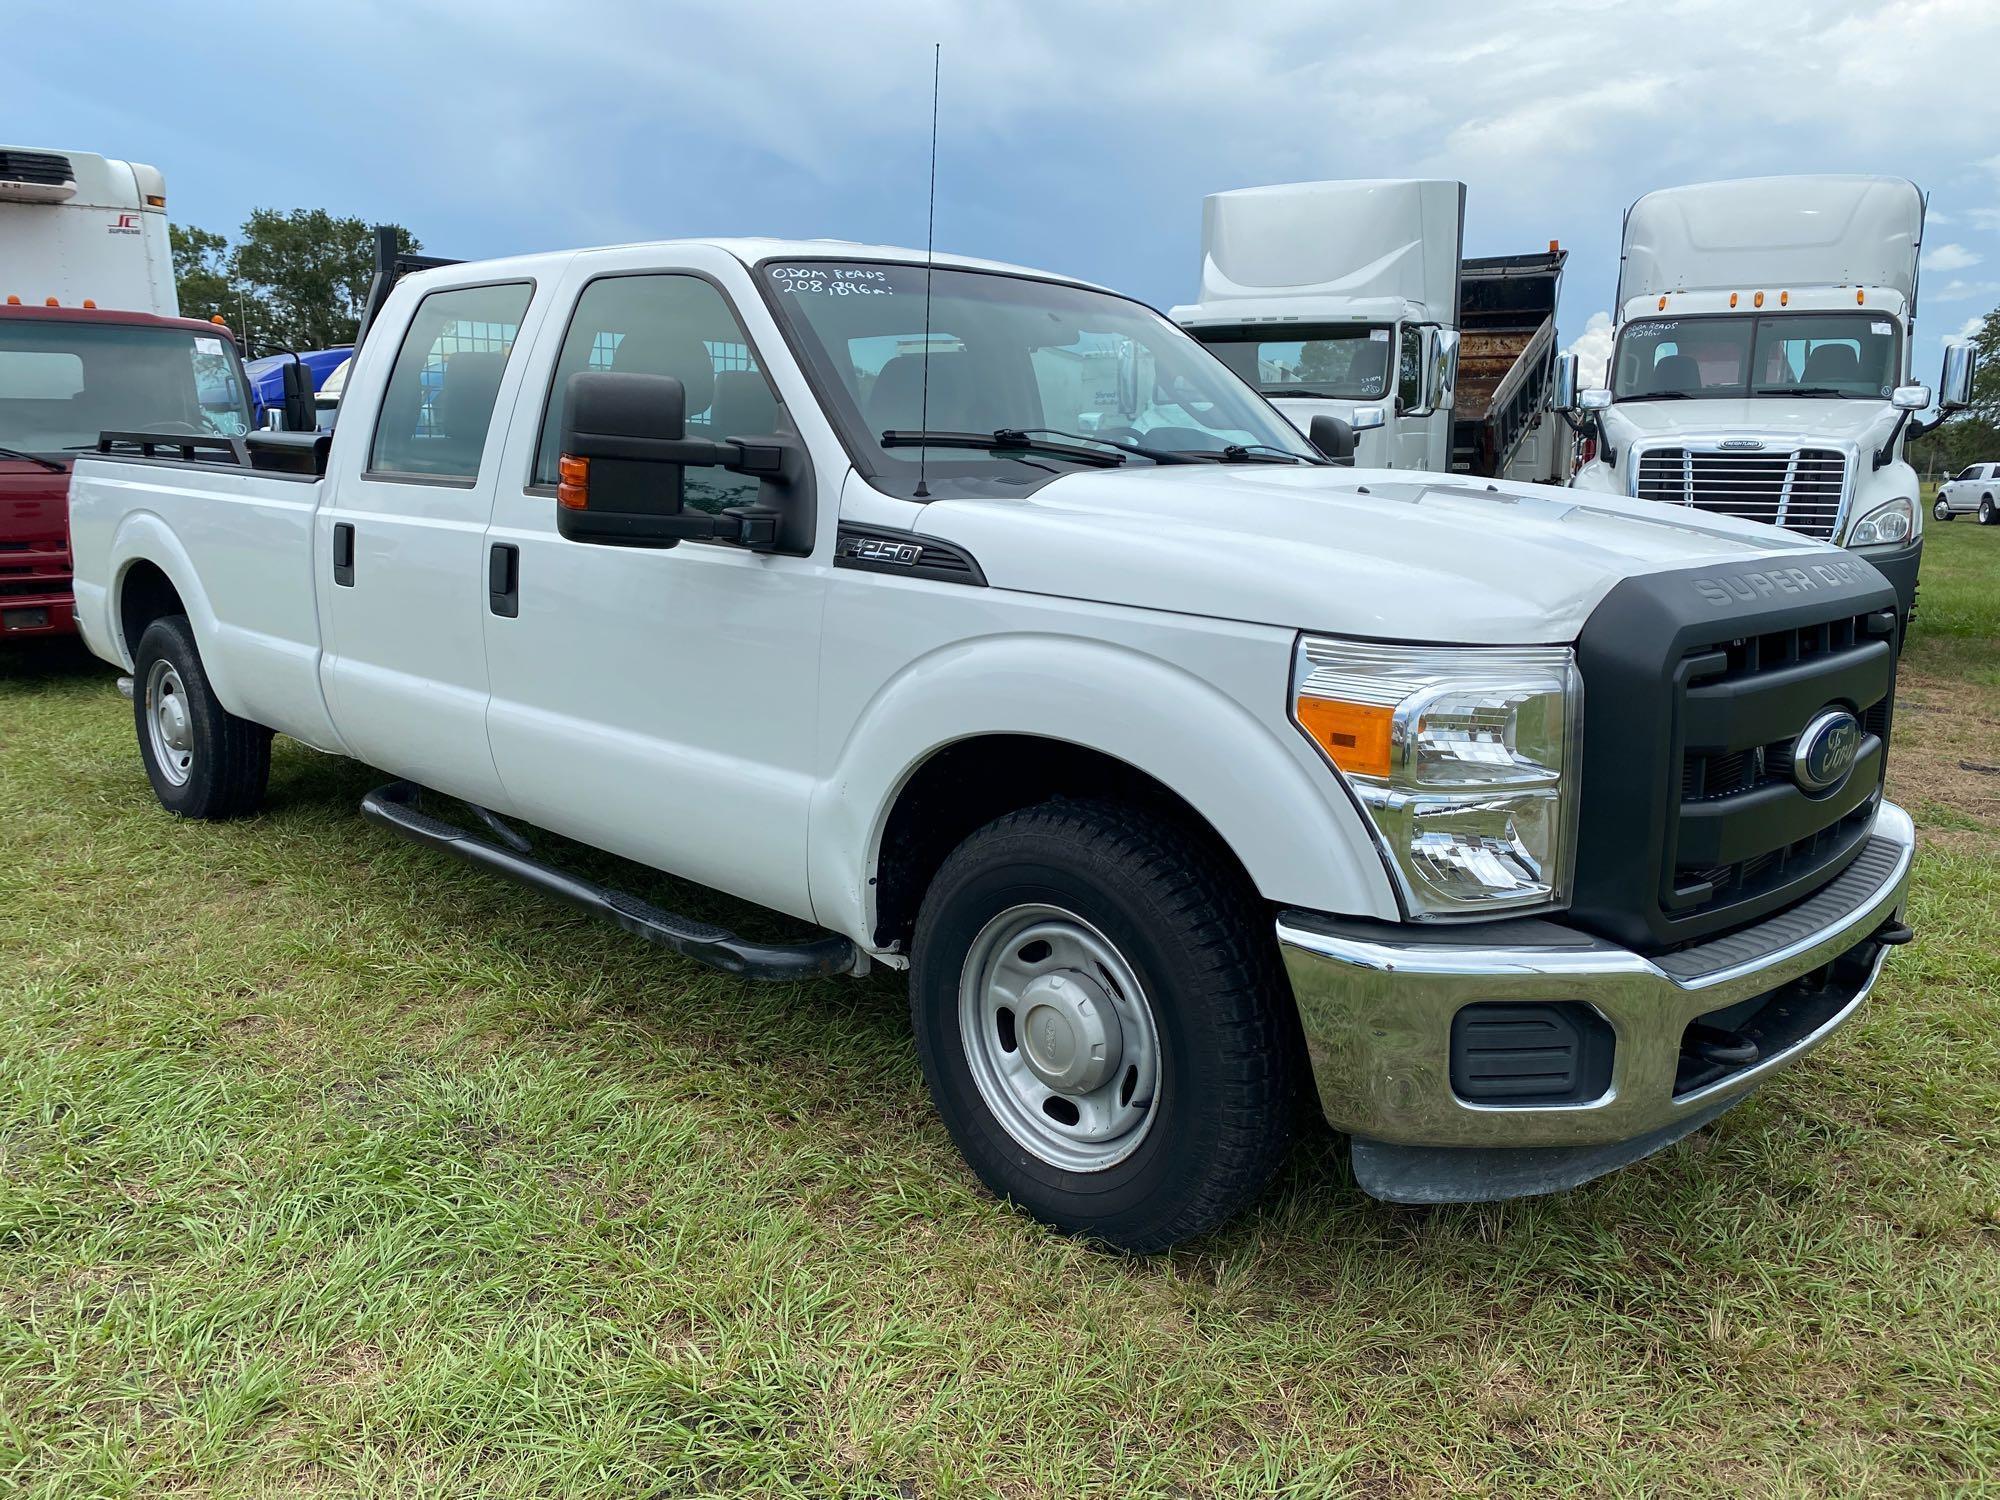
(1825, 751)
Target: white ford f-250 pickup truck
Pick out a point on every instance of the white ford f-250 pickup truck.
(1182, 768)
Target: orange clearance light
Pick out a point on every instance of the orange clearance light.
(156, 200)
(1732, 299)
(13, 299)
(1859, 295)
(90, 303)
(1555, 247)
(1784, 299)
(1758, 300)
(1355, 736)
(573, 482)
(50, 302)
(1663, 302)
(218, 320)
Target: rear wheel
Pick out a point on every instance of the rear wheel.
(1104, 1023)
(1986, 512)
(203, 761)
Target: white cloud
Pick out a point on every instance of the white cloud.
(1949, 257)
(1958, 290)
(1592, 349)
(1970, 329)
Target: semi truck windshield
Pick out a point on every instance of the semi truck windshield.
(1347, 361)
(1758, 354)
(62, 382)
(1007, 353)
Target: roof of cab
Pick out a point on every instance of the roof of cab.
(750, 251)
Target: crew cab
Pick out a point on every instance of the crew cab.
(1181, 769)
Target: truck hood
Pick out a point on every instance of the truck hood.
(34, 503)
(1840, 422)
(1383, 553)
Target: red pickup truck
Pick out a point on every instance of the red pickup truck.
(67, 374)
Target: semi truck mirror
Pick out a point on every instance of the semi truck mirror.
(1368, 418)
(1562, 398)
(1137, 376)
(1593, 400)
(301, 412)
(1444, 367)
(1911, 397)
(1961, 364)
(1334, 438)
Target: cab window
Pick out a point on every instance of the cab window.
(668, 324)
(439, 401)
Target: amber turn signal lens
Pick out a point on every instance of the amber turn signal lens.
(1355, 736)
(573, 482)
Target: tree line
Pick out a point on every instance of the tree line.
(292, 279)
(1971, 436)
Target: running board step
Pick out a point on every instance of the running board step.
(395, 808)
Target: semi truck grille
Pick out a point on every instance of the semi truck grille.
(43, 168)
(1801, 491)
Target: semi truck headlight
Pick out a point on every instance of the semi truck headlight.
(1885, 523)
(1463, 758)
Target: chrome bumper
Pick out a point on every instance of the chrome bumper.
(1378, 1013)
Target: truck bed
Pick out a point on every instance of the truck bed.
(1506, 356)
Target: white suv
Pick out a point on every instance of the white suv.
(1977, 490)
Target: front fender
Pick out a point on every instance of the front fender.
(1283, 814)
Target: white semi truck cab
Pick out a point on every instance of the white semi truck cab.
(1763, 361)
(1183, 771)
(1352, 301)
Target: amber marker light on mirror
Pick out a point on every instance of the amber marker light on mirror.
(573, 482)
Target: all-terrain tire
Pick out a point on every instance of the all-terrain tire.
(1200, 944)
(203, 761)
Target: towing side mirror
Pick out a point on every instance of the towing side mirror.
(1961, 366)
(301, 415)
(1334, 438)
(1563, 397)
(622, 476)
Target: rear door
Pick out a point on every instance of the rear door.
(401, 548)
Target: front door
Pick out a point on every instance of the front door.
(659, 703)
(401, 550)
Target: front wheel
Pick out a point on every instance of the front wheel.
(203, 761)
(1942, 510)
(1104, 1023)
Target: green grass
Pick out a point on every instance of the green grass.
(330, 1167)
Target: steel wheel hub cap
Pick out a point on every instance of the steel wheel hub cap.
(1059, 1037)
(168, 723)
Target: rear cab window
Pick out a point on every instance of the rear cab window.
(438, 405)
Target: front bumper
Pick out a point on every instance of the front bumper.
(1377, 1007)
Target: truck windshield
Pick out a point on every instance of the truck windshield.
(1757, 354)
(63, 382)
(1008, 354)
(1347, 361)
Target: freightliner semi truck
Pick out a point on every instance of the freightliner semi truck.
(1765, 335)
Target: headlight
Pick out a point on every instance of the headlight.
(1885, 523)
(1464, 759)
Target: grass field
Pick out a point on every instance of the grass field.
(328, 1167)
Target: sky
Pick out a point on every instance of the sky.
(1078, 138)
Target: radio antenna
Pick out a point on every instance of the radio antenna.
(930, 242)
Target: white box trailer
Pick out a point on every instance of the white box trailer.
(79, 227)
(1354, 300)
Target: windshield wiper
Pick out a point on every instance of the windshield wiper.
(1799, 390)
(1663, 396)
(1260, 453)
(1144, 450)
(1000, 441)
(33, 458)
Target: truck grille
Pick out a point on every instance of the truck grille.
(1743, 829)
(43, 168)
(1801, 491)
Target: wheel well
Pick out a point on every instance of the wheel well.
(965, 786)
(146, 595)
